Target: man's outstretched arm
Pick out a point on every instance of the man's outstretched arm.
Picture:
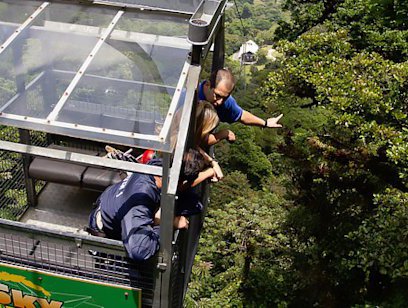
(248, 118)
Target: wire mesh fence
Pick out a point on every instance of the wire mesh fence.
(13, 197)
(67, 258)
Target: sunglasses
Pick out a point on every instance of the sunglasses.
(218, 96)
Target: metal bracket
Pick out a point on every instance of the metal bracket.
(78, 242)
(162, 266)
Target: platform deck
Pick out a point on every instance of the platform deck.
(62, 207)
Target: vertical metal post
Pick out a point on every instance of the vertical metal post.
(184, 272)
(163, 283)
(196, 55)
(219, 46)
(192, 124)
(29, 182)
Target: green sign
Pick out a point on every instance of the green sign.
(26, 288)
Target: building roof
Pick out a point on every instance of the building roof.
(249, 46)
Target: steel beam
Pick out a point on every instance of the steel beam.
(29, 182)
(142, 7)
(73, 126)
(24, 26)
(166, 236)
(113, 81)
(192, 82)
(174, 103)
(81, 159)
(219, 46)
(44, 234)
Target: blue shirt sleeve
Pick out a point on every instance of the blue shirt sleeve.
(139, 236)
(229, 111)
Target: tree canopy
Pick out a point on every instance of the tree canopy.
(315, 213)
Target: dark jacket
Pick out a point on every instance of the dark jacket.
(127, 210)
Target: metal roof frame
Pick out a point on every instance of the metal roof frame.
(51, 118)
(51, 123)
(26, 24)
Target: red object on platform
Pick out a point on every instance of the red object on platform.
(147, 156)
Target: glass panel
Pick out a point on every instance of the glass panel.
(175, 5)
(60, 39)
(12, 15)
(153, 23)
(131, 80)
(127, 88)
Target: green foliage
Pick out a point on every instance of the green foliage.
(346, 153)
(323, 221)
(382, 237)
(241, 239)
(304, 15)
(374, 25)
(252, 161)
(258, 22)
(13, 198)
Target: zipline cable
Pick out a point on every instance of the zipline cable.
(244, 32)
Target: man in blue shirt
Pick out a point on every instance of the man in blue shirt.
(218, 91)
(125, 211)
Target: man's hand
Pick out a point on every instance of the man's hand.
(273, 122)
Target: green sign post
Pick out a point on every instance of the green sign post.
(27, 288)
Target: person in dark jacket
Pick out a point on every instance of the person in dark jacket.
(125, 211)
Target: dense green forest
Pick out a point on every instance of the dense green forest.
(315, 213)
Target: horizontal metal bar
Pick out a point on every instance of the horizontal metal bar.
(104, 131)
(81, 159)
(36, 232)
(116, 35)
(117, 80)
(141, 7)
(20, 29)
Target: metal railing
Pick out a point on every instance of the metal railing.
(78, 256)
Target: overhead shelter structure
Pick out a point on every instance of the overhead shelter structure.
(74, 76)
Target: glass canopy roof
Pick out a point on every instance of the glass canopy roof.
(93, 72)
(188, 6)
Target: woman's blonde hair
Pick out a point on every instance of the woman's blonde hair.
(206, 120)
